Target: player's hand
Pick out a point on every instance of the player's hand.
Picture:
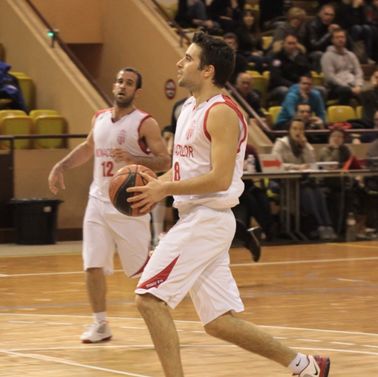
(146, 196)
(120, 155)
(56, 180)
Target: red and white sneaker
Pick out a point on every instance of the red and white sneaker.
(318, 366)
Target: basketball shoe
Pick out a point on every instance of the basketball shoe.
(254, 242)
(96, 332)
(318, 366)
(250, 238)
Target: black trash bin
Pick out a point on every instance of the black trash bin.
(35, 220)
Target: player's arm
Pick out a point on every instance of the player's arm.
(78, 156)
(223, 127)
(150, 132)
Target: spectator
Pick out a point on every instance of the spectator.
(297, 154)
(342, 70)
(302, 93)
(351, 16)
(369, 100)
(288, 65)
(250, 41)
(244, 85)
(295, 25)
(319, 34)
(241, 64)
(9, 88)
(336, 150)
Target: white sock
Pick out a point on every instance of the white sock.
(158, 215)
(99, 317)
(299, 363)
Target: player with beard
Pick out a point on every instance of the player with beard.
(120, 136)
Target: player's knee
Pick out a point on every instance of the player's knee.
(213, 328)
(147, 303)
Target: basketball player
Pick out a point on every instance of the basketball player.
(120, 136)
(205, 180)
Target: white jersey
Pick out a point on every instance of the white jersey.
(107, 135)
(192, 153)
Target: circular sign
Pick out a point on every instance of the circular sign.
(170, 88)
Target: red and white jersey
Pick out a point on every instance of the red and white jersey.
(192, 153)
(108, 135)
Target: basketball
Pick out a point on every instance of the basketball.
(128, 176)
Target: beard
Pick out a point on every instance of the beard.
(124, 102)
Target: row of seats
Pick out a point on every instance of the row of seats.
(336, 113)
(39, 122)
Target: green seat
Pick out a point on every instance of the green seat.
(16, 125)
(50, 124)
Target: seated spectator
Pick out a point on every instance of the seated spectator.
(297, 154)
(319, 34)
(295, 25)
(250, 40)
(302, 93)
(369, 100)
(342, 70)
(244, 85)
(336, 150)
(351, 16)
(241, 64)
(9, 88)
(287, 66)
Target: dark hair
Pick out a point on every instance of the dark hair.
(138, 74)
(296, 119)
(338, 30)
(215, 52)
(300, 104)
(337, 129)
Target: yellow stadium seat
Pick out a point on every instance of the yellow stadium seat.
(254, 73)
(16, 125)
(317, 78)
(273, 112)
(18, 74)
(8, 112)
(38, 112)
(259, 83)
(50, 124)
(266, 74)
(340, 113)
(359, 112)
(267, 41)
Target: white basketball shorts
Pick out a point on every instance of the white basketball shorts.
(106, 230)
(194, 257)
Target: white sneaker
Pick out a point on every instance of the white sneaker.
(317, 366)
(97, 332)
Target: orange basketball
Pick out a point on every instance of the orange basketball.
(128, 176)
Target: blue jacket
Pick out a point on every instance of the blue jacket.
(293, 97)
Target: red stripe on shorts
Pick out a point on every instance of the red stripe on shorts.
(159, 278)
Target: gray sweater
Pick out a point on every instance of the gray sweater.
(341, 69)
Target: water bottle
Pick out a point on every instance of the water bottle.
(250, 165)
(351, 231)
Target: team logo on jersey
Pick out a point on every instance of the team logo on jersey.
(121, 138)
(189, 133)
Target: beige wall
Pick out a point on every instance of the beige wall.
(78, 21)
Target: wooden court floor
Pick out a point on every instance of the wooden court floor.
(320, 298)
